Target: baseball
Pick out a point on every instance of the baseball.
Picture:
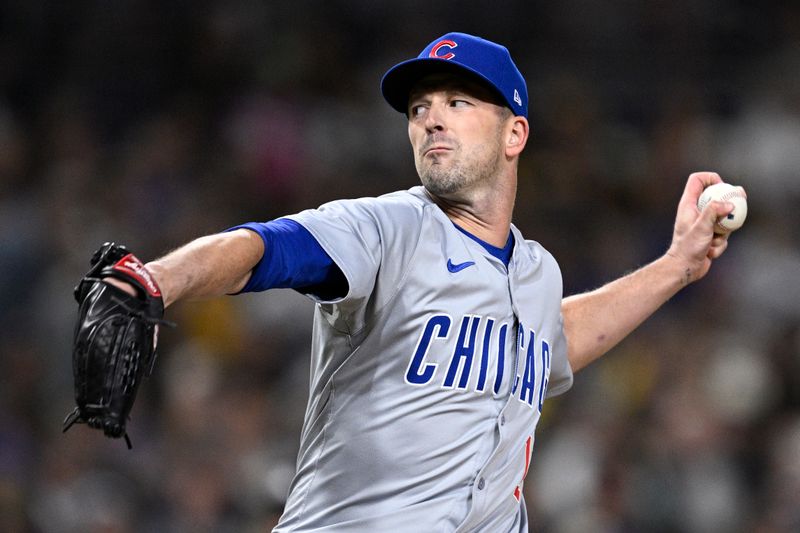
(725, 192)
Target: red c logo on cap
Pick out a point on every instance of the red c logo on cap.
(445, 43)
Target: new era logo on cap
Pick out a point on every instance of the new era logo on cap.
(488, 61)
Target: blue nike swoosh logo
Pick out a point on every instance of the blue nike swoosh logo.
(458, 267)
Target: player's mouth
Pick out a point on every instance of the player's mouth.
(436, 150)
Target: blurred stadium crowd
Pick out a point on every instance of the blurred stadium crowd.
(151, 123)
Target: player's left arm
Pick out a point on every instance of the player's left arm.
(595, 321)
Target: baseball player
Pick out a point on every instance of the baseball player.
(439, 330)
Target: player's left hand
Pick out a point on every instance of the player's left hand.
(694, 242)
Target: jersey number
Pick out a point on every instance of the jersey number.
(528, 450)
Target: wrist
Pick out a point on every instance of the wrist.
(678, 268)
(158, 274)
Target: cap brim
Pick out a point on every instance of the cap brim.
(398, 81)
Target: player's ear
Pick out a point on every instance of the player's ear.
(517, 135)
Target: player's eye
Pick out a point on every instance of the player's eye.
(459, 103)
(417, 110)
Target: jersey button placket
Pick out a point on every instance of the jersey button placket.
(481, 483)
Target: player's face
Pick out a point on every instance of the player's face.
(456, 130)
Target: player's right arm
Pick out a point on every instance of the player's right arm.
(252, 257)
(210, 266)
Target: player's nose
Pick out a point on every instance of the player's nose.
(435, 118)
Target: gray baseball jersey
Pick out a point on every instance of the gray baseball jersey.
(427, 378)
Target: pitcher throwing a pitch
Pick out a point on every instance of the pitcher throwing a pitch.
(439, 330)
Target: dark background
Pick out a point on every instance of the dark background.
(151, 123)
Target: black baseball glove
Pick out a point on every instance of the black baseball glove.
(115, 340)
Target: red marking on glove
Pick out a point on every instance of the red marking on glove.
(131, 265)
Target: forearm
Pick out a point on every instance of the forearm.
(209, 266)
(596, 321)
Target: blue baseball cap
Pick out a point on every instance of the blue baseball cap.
(489, 62)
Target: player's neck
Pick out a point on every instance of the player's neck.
(496, 235)
(486, 216)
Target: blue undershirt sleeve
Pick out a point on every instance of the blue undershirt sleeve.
(293, 259)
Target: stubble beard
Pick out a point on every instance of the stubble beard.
(443, 180)
(446, 176)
